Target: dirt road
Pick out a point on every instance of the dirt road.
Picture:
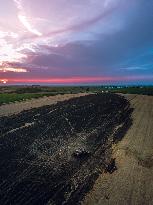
(14, 108)
(132, 183)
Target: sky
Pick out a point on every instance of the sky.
(76, 42)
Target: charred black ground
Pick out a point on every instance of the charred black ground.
(54, 154)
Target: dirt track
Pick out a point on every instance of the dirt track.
(14, 108)
(132, 183)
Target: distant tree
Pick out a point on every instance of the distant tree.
(87, 89)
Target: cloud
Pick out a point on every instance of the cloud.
(24, 19)
(85, 24)
(18, 4)
(107, 53)
(4, 34)
(110, 38)
(8, 52)
(15, 70)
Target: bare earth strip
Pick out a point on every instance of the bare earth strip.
(14, 108)
(132, 183)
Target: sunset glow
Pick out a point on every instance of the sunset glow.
(3, 81)
(16, 70)
(48, 41)
(77, 80)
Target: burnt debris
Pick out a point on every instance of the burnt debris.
(81, 153)
(111, 166)
(54, 154)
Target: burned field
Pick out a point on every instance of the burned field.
(54, 154)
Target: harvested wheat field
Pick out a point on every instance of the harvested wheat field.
(132, 182)
(14, 108)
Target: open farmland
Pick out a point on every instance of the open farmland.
(54, 154)
(11, 94)
(17, 107)
(132, 183)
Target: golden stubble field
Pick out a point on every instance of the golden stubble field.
(17, 107)
(132, 183)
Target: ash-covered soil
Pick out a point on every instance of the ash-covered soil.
(54, 154)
